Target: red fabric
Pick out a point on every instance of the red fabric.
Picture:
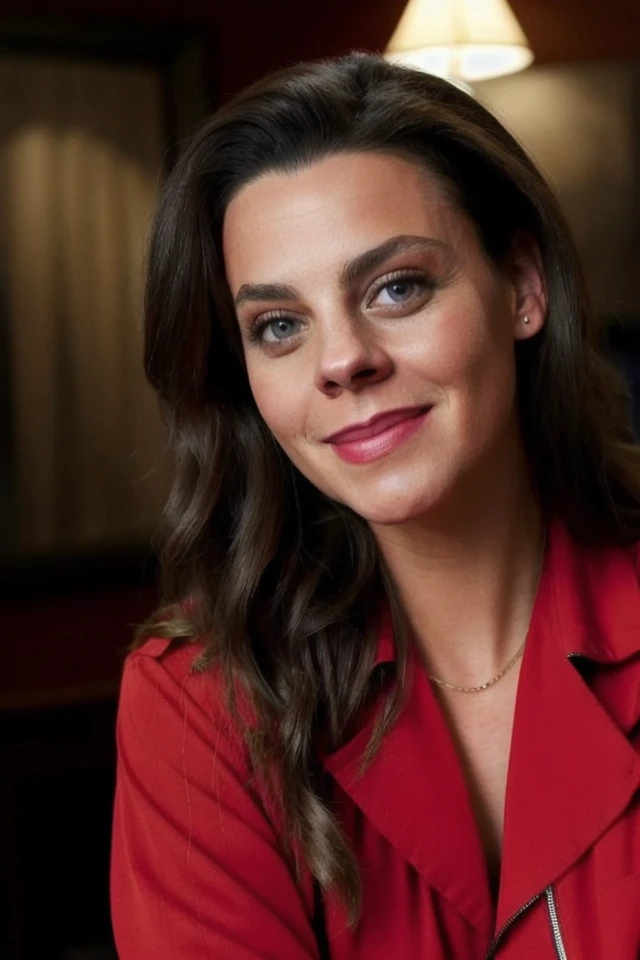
(197, 870)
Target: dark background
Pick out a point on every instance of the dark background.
(66, 616)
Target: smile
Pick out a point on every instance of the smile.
(379, 436)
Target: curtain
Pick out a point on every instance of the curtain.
(81, 445)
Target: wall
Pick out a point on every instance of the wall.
(581, 124)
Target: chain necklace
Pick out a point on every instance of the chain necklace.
(483, 686)
(509, 666)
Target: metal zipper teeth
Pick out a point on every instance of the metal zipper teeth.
(499, 935)
(555, 924)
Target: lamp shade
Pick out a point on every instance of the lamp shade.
(460, 39)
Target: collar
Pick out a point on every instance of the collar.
(596, 598)
(572, 770)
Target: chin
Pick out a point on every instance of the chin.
(391, 515)
(408, 492)
(393, 507)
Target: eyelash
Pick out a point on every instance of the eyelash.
(260, 324)
(400, 276)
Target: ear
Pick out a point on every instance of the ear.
(525, 275)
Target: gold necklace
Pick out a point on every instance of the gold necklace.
(483, 686)
(514, 658)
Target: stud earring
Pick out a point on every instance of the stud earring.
(525, 320)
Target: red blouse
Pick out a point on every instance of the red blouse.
(197, 870)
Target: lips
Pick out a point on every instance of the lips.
(376, 425)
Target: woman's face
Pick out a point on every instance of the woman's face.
(379, 340)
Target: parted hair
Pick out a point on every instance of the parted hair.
(282, 586)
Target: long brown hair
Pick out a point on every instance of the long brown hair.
(281, 584)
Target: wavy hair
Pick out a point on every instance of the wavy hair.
(282, 585)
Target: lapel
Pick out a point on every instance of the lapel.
(414, 794)
(572, 770)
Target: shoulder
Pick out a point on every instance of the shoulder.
(169, 708)
(163, 669)
(170, 663)
(197, 863)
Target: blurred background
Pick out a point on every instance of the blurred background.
(95, 99)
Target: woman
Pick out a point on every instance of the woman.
(389, 706)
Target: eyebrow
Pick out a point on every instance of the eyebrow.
(352, 271)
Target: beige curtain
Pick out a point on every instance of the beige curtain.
(80, 150)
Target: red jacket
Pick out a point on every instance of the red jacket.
(197, 872)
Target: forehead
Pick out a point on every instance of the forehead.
(331, 209)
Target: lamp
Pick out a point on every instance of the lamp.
(462, 40)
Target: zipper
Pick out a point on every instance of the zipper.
(556, 932)
(499, 935)
(555, 924)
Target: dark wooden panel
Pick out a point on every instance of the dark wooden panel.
(69, 647)
(249, 37)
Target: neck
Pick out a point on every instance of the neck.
(467, 578)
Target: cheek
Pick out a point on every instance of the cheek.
(489, 388)
(471, 359)
(281, 400)
(460, 351)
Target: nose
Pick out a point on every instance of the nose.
(350, 358)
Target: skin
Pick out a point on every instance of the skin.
(451, 508)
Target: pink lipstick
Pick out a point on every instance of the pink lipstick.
(378, 436)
